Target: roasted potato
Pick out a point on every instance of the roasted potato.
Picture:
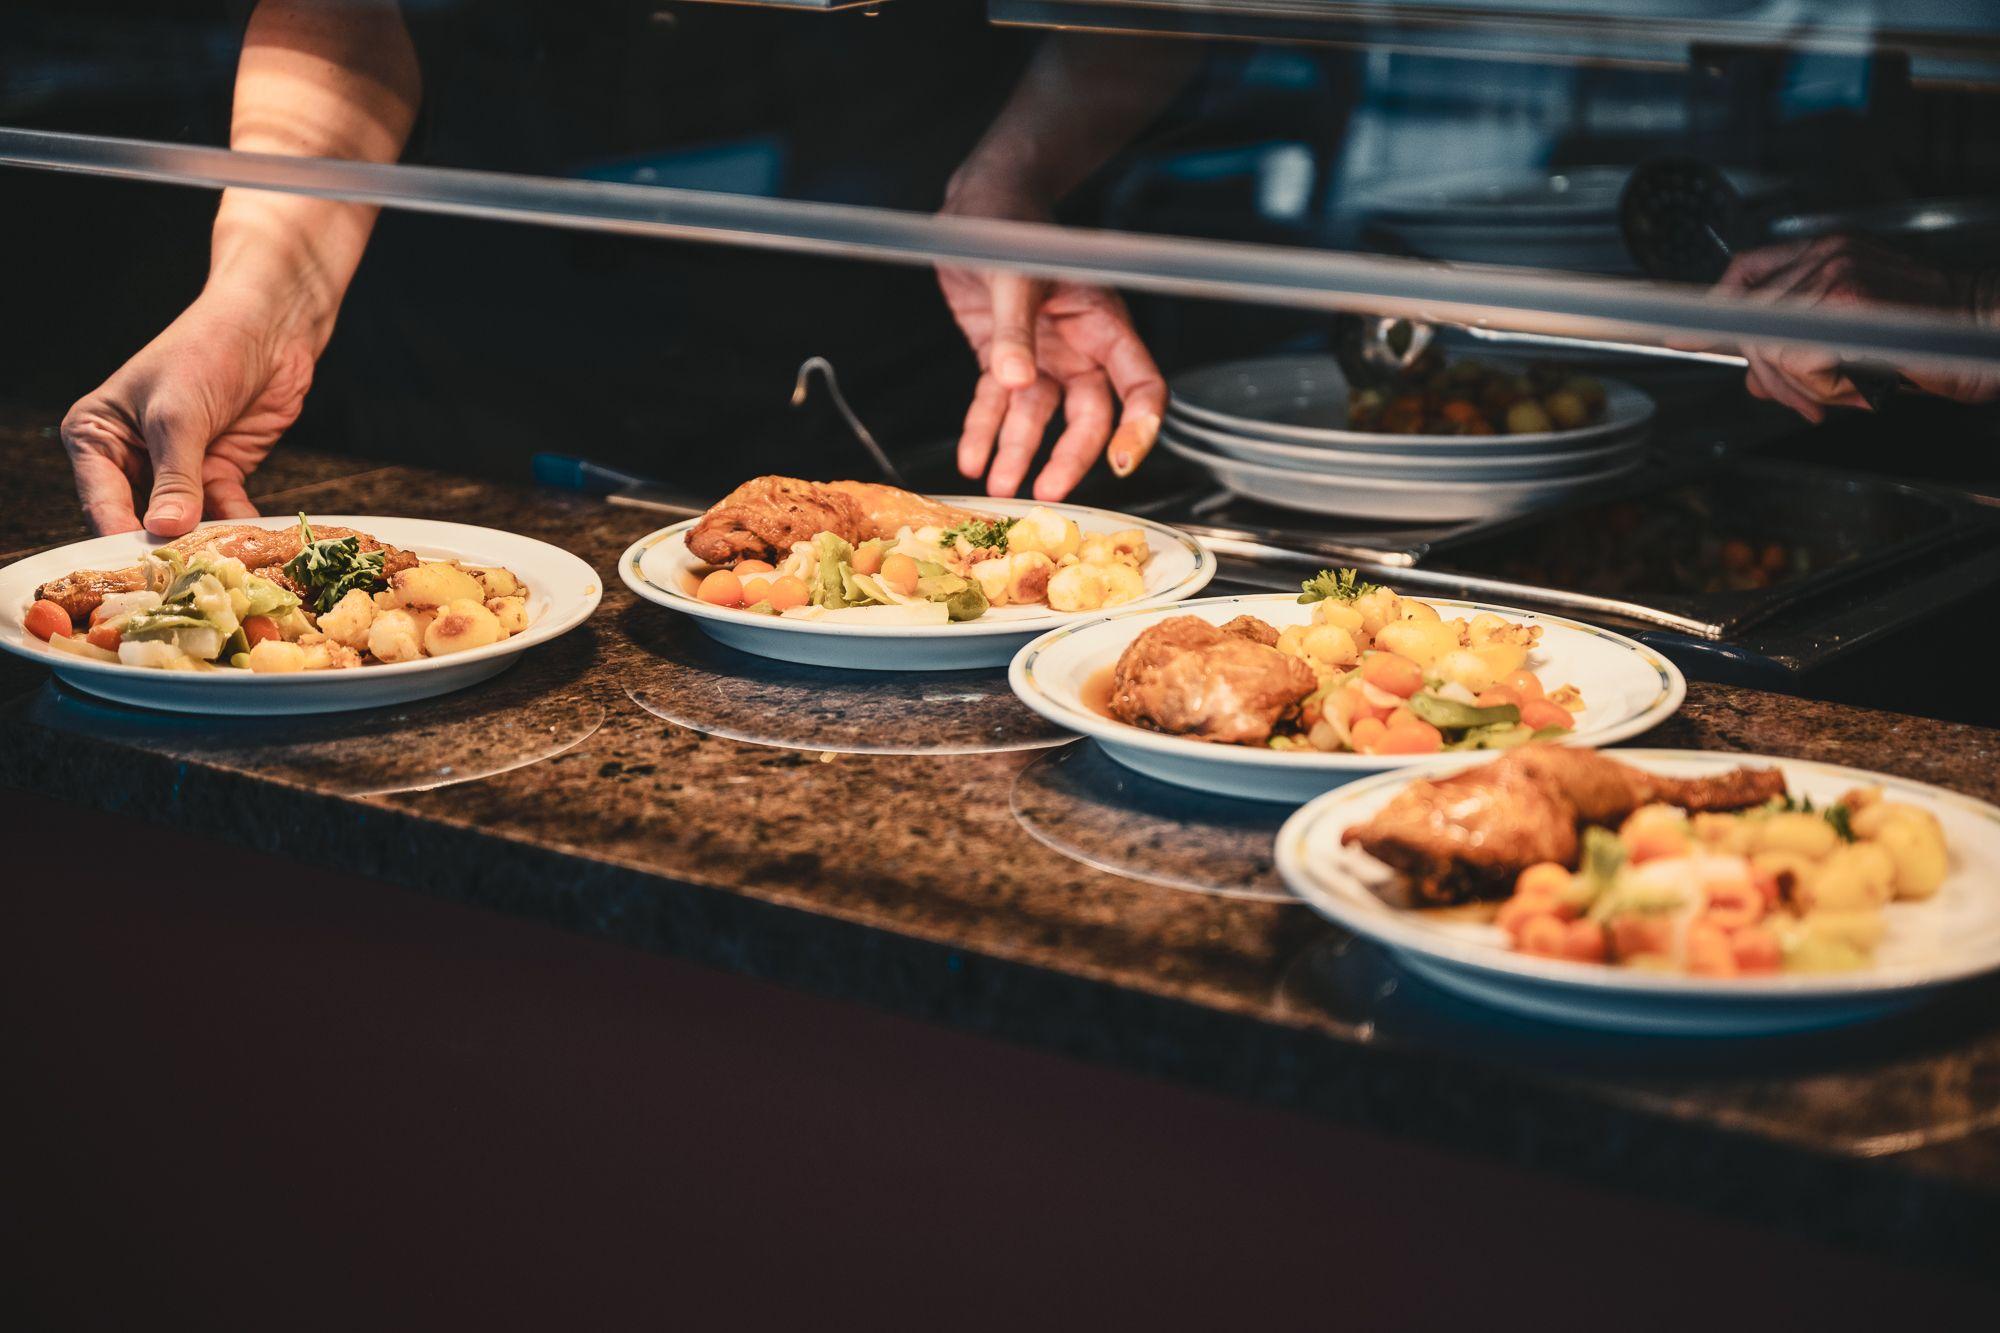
(433, 584)
(462, 624)
(512, 612)
(394, 637)
(347, 623)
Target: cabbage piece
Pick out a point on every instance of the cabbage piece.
(267, 598)
(835, 559)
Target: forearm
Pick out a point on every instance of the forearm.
(319, 78)
(1083, 98)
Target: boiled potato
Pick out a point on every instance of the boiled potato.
(512, 611)
(433, 584)
(277, 656)
(1723, 833)
(347, 624)
(325, 654)
(498, 582)
(462, 624)
(992, 577)
(1916, 846)
(394, 637)
(1077, 588)
(1378, 608)
(1329, 644)
(1502, 659)
(1046, 531)
(1122, 583)
(1415, 610)
(1795, 831)
(1028, 575)
(1422, 641)
(1788, 868)
(1340, 615)
(1463, 666)
(1859, 927)
(1854, 877)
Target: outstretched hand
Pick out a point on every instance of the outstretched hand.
(191, 415)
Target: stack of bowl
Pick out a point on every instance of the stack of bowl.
(1274, 430)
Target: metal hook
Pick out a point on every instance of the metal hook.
(800, 388)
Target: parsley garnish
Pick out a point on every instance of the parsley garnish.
(1335, 585)
(1837, 815)
(981, 533)
(331, 568)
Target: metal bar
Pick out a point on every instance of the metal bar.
(1569, 304)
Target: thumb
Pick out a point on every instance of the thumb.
(176, 445)
(1016, 302)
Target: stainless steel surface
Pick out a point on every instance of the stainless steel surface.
(802, 386)
(1533, 300)
(1557, 342)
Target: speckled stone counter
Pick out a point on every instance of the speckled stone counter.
(935, 884)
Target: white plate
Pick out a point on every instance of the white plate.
(562, 592)
(1926, 945)
(1626, 689)
(1505, 196)
(1421, 466)
(1435, 501)
(656, 565)
(1303, 400)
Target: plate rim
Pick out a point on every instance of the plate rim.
(1199, 577)
(1502, 488)
(550, 626)
(1388, 930)
(1020, 676)
(1327, 459)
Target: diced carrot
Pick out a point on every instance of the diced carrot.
(1366, 732)
(1497, 696)
(256, 629)
(1524, 683)
(1767, 886)
(755, 590)
(1543, 935)
(1733, 904)
(721, 588)
(1634, 934)
(1392, 673)
(900, 573)
(106, 637)
(787, 592)
(1709, 952)
(45, 620)
(867, 559)
(1539, 713)
(1584, 942)
(1517, 911)
(746, 567)
(1544, 879)
(1756, 949)
(1415, 737)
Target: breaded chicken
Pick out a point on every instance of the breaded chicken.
(760, 519)
(1186, 677)
(263, 551)
(1469, 835)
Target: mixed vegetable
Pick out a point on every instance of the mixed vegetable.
(1784, 887)
(1396, 678)
(934, 576)
(1470, 398)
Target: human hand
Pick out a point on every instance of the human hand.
(1842, 271)
(1041, 345)
(197, 408)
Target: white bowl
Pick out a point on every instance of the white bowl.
(562, 592)
(1929, 944)
(658, 565)
(1626, 687)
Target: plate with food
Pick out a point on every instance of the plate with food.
(1496, 406)
(1277, 698)
(291, 615)
(1667, 891)
(867, 576)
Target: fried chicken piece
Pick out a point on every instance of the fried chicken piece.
(1469, 835)
(1186, 677)
(890, 508)
(263, 551)
(760, 519)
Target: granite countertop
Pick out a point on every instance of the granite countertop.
(1002, 882)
